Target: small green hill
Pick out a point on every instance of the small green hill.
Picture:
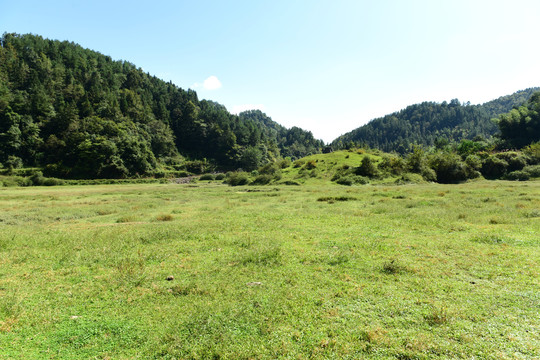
(79, 114)
(426, 123)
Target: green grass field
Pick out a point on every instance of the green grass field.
(296, 272)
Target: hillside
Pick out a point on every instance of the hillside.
(80, 114)
(424, 123)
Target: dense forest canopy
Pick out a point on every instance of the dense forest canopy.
(429, 122)
(521, 126)
(80, 114)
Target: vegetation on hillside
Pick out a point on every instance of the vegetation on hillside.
(80, 114)
(521, 126)
(428, 123)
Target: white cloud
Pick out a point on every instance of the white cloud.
(212, 83)
(244, 107)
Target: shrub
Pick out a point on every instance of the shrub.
(367, 168)
(164, 217)
(314, 173)
(53, 182)
(474, 162)
(13, 162)
(298, 163)
(196, 166)
(160, 174)
(533, 152)
(449, 168)
(270, 169)
(428, 174)
(262, 180)
(416, 161)
(494, 167)
(284, 163)
(209, 177)
(532, 170)
(345, 181)
(310, 165)
(518, 175)
(56, 170)
(393, 267)
(11, 181)
(290, 182)
(349, 180)
(219, 176)
(237, 178)
(393, 164)
(515, 160)
(410, 178)
(37, 178)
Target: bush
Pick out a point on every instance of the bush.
(314, 173)
(518, 175)
(13, 162)
(290, 182)
(160, 174)
(533, 152)
(56, 170)
(515, 160)
(494, 167)
(310, 165)
(270, 169)
(345, 181)
(416, 160)
(11, 181)
(394, 165)
(53, 182)
(428, 174)
(196, 166)
(262, 180)
(474, 162)
(410, 178)
(284, 163)
(532, 170)
(238, 178)
(219, 176)
(449, 168)
(209, 177)
(367, 168)
(37, 178)
(352, 179)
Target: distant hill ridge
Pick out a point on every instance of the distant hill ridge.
(80, 114)
(426, 122)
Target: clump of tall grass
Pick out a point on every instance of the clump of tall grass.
(393, 267)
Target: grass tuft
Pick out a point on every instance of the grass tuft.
(393, 267)
(164, 217)
(437, 316)
(489, 239)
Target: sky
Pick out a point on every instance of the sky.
(325, 66)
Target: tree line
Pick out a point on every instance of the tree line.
(430, 123)
(77, 113)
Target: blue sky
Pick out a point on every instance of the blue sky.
(325, 66)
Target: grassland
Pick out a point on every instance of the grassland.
(206, 271)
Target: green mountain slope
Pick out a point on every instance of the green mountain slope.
(424, 123)
(294, 142)
(80, 114)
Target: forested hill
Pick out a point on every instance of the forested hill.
(424, 123)
(293, 142)
(78, 113)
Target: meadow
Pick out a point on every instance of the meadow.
(208, 271)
